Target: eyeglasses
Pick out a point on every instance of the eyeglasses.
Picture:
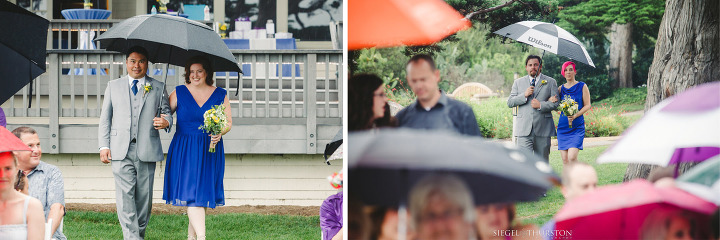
(447, 214)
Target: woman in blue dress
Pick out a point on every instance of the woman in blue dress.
(570, 140)
(193, 175)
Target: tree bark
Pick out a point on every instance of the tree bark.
(621, 48)
(687, 53)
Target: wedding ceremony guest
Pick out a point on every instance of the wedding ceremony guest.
(45, 181)
(21, 184)
(21, 216)
(331, 216)
(495, 221)
(570, 139)
(577, 178)
(367, 104)
(433, 109)
(3, 120)
(385, 224)
(129, 139)
(441, 207)
(193, 175)
(673, 224)
(534, 123)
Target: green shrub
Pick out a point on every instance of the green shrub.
(494, 118)
(602, 120)
(625, 96)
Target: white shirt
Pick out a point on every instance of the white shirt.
(141, 81)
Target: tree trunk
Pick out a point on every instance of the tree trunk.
(621, 47)
(687, 53)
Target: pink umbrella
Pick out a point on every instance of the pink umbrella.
(9, 142)
(618, 211)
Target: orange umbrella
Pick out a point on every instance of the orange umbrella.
(387, 23)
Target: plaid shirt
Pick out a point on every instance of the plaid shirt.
(46, 184)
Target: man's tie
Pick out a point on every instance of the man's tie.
(532, 83)
(134, 87)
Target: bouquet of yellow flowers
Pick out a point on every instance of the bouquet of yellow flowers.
(569, 107)
(215, 121)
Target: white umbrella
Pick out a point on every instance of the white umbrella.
(703, 180)
(548, 37)
(683, 128)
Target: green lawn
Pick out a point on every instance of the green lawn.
(100, 225)
(541, 211)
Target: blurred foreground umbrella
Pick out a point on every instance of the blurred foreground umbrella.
(548, 37)
(22, 48)
(334, 148)
(388, 23)
(618, 211)
(384, 166)
(9, 142)
(682, 128)
(703, 180)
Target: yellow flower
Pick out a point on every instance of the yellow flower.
(223, 27)
(543, 82)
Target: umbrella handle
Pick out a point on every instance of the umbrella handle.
(162, 96)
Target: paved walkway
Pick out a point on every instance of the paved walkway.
(589, 142)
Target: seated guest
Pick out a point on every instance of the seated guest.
(433, 109)
(385, 224)
(45, 180)
(667, 223)
(21, 215)
(578, 178)
(441, 207)
(331, 217)
(21, 184)
(495, 221)
(367, 104)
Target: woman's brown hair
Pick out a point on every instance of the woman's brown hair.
(205, 65)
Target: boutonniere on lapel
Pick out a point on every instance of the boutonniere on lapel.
(146, 88)
(543, 82)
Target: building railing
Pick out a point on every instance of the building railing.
(280, 88)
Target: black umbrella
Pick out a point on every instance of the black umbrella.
(333, 145)
(170, 39)
(22, 48)
(384, 166)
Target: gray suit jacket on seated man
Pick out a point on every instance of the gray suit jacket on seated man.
(128, 135)
(534, 124)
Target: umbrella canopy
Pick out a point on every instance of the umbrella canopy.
(22, 47)
(9, 142)
(385, 165)
(548, 37)
(622, 209)
(169, 39)
(388, 23)
(332, 147)
(703, 180)
(681, 128)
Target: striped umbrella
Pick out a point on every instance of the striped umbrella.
(548, 37)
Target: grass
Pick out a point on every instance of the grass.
(541, 211)
(101, 225)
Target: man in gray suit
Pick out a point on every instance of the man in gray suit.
(530, 94)
(129, 130)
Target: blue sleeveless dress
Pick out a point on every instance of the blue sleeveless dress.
(571, 137)
(194, 176)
